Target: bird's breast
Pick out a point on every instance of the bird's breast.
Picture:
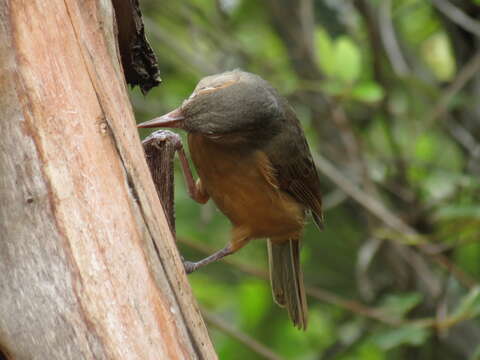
(244, 187)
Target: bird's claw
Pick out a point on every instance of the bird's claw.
(189, 266)
(166, 135)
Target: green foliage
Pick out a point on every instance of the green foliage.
(404, 335)
(437, 53)
(341, 62)
(399, 305)
(255, 299)
(367, 351)
(347, 60)
(367, 91)
(325, 51)
(469, 305)
(476, 354)
(414, 135)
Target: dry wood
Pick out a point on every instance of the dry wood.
(88, 266)
(160, 152)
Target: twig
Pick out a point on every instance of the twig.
(314, 292)
(245, 339)
(198, 63)
(463, 77)
(333, 199)
(379, 52)
(464, 137)
(390, 43)
(367, 201)
(353, 145)
(374, 37)
(366, 254)
(329, 297)
(390, 219)
(458, 16)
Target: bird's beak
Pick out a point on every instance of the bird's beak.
(174, 119)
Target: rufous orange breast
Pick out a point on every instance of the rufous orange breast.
(244, 188)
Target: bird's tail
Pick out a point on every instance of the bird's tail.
(286, 278)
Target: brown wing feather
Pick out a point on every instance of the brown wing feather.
(295, 171)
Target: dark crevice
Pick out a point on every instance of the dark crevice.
(138, 59)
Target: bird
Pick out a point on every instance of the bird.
(253, 160)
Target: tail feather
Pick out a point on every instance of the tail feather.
(286, 278)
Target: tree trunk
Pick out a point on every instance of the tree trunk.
(88, 266)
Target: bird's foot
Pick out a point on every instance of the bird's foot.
(166, 136)
(190, 266)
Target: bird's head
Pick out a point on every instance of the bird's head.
(231, 107)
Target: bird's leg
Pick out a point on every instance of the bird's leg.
(239, 240)
(198, 193)
(195, 189)
(191, 266)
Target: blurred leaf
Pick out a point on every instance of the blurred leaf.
(351, 331)
(467, 255)
(399, 305)
(405, 335)
(321, 327)
(207, 291)
(469, 306)
(347, 60)
(367, 91)
(333, 87)
(370, 352)
(229, 5)
(366, 351)
(319, 335)
(438, 55)
(325, 51)
(439, 185)
(254, 300)
(458, 211)
(426, 147)
(435, 164)
(476, 353)
(418, 22)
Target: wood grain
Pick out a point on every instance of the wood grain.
(88, 266)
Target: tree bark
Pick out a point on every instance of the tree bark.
(88, 266)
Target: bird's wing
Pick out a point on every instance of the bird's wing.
(295, 171)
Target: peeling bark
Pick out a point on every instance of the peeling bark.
(138, 60)
(88, 266)
(160, 153)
